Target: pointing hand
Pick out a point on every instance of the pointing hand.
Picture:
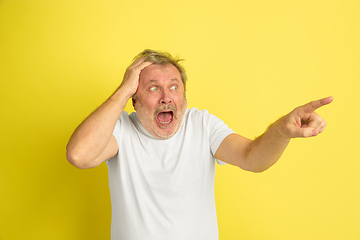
(303, 121)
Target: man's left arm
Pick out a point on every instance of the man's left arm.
(261, 153)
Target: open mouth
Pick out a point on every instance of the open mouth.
(165, 117)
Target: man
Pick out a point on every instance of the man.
(161, 159)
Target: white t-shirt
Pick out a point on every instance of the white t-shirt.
(164, 189)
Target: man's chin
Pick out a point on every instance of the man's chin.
(165, 133)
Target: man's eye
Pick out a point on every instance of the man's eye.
(153, 89)
(174, 87)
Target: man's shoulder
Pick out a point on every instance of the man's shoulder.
(128, 116)
(196, 111)
(127, 120)
(200, 118)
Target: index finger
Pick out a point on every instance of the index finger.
(312, 106)
(143, 65)
(137, 62)
(138, 65)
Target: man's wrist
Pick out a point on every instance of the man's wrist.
(277, 130)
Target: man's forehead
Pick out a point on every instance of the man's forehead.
(157, 72)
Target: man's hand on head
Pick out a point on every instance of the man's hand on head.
(303, 121)
(132, 75)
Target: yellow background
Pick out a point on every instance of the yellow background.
(248, 62)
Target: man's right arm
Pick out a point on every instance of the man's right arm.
(93, 142)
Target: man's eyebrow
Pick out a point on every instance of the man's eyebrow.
(153, 81)
(174, 80)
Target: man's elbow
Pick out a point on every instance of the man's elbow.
(78, 161)
(254, 168)
(259, 170)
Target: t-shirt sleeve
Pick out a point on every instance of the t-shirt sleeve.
(218, 131)
(117, 129)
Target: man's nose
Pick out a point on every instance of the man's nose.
(165, 97)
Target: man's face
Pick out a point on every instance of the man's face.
(161, 102)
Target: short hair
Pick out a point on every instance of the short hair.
(164, 58)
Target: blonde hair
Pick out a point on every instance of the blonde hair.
(164, 58)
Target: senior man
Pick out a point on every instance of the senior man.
(161, 158)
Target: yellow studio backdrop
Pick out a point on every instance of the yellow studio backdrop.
(248, 62)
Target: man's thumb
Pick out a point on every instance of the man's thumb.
(307, 132)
